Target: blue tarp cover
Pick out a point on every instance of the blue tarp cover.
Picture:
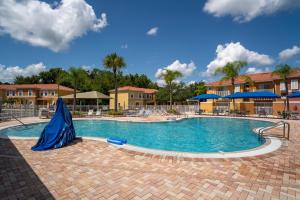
(206, 96)
(59, 131)
(294, 95)
(241, 95)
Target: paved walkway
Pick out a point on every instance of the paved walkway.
(96, 170)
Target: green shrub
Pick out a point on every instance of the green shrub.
(115, 113)
(173, 111)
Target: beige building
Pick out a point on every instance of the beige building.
(261, 82)
(131, 97)
(33, 94)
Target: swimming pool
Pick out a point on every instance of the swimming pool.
(205, 135)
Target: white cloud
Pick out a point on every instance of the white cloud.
(253, 70)
(53, 26)
(231, 52)
(191, 82)
(87, 67)
(246, 10)
(186, 69)
(124, 46)
(288, 53)
(8, 74)
(153, 31)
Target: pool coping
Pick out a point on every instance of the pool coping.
(272, 144)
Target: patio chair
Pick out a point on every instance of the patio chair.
(215, 112)
(43, 113)
(140, 113)
(199, 112)
(294, 115)
(98, 113)
(91, 112)
(147, 113)
(262, 113)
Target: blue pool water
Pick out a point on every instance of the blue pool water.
(189, 135)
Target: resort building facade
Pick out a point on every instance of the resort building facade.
(259, 82)
(130, 97)
(33, 94)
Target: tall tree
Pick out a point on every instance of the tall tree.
(169, 77)
(230, 72)
(76, 75)
(283, 71)
(115, 63)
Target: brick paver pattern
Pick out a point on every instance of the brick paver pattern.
(95, 170)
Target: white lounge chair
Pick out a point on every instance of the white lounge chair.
(147, 113)
(90, 113)
(98, 113)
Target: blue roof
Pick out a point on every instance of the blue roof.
(294, 94)
(242, 95)
(206, 96)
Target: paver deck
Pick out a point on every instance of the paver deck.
(95, 170)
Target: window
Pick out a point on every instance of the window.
(140, 96)
(20, 92)
(282, 86)
(44, 93)
(294, 84)
(7, 93)
(52, 93)
(11, 93)
(131, 96)
(30, 93)
(237, 88)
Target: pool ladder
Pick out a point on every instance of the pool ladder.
(285, 132)
(18, 120)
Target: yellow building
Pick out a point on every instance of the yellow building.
(33, 94)
(260, 82)
(130, 97)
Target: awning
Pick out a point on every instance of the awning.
(259, 95)
(87, 95)
(294, 94)
(206, 96)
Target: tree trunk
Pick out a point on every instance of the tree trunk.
(287, 99)
(57, 90)
(171, 100)
(233, 100)
(74, 99)
(116, 91)
(171, 96)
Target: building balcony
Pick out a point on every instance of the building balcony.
(222, 93)
(23, 96)
(265, 90)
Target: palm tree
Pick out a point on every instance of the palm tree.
(283, 71)
(114, 63)
(230, 72)
(76, 75)
(169, 77)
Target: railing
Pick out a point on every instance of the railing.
(222, 93)
(265, 90)
(179, 108)
(285, 133)
(264, 107)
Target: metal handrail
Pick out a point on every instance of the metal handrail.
(278, 124)
(18, 120)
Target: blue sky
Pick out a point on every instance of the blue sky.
(189, 32)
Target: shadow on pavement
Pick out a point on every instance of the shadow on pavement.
(17, 178)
